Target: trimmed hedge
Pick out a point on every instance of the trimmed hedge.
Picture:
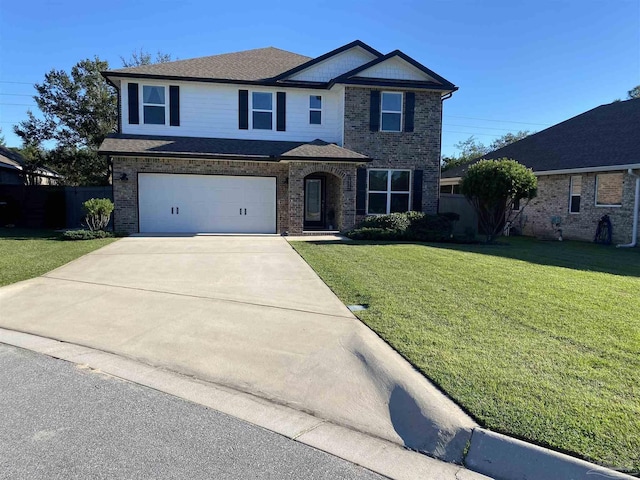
(409, 226)
(85, 234)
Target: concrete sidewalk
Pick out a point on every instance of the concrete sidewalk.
(243, 312)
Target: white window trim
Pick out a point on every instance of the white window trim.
(571, 195)
(261, 110)
(606, 205)
(388, 191)
(143, 104)
(392, 111)
(321, 110)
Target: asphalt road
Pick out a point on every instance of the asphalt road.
(59, 421)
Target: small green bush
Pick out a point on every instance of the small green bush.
(98, 213)
(409, 226)
(392, 221)
(85, 234)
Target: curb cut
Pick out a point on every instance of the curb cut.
(380, 456)
(503, 457)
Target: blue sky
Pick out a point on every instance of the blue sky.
(519, 64)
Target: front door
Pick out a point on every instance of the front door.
(314, 203)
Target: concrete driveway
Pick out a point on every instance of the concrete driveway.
(245, 312)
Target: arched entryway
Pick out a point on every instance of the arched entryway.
(323, 201)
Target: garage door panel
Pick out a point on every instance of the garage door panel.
(206, 203)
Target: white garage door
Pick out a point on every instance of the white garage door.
(206, 203)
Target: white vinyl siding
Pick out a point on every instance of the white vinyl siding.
(335, 66)
(211, 111)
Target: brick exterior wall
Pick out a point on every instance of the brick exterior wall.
(419, 149)
(553, 200)
(289, 190)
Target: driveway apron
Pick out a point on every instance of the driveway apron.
(245, 312)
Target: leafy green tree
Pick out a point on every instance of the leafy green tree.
(492, 187)
(634, 93)
(2, 142)
(470, 149)
(79, 109)
(508, 139)
(141, 57)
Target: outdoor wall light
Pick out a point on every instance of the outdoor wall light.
(123, 177)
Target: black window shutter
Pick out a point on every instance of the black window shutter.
(243, 109)
(409, 108)
(281, 111)
(374, 112)
(417, 190)
(361, 191)
(134, 113)
(174, 105)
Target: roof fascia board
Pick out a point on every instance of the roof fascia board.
(384, 82)
(332, 53)
(565, 171)
(239, 158)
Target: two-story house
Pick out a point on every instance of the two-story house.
(269, 141)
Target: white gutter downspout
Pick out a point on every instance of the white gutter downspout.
(636, 204)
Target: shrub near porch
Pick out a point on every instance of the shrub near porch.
(538, 340)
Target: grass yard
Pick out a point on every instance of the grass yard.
(29, 253)
(539, 340)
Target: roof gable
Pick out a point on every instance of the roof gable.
(396, 68)
(606, 136)
(332, 64)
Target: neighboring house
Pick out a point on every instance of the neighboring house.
(586, 167)
(12, 170)
(269, 141)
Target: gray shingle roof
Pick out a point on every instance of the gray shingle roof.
(607, 136)
(223, 148)
(10, 160)
(248, 65)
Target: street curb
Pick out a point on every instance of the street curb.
(503, 457)
(380, 456)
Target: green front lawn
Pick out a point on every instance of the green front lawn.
(540, 340)
(29, 253)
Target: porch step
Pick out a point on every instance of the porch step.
(320, 232)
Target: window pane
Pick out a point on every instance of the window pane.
(576, 185)
(262, 101)
(400, 181)
(392, 101)
(315, 101)
(575, 204)
(154, 115)
(153, 95)
(262, 120)
(315, 117)
(456, 190)
(378, 180)
(377, 203)
(609, 189)
(391, 122)
(445, 188)
(399, 202)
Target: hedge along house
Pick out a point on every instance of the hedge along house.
(269, 141)
(586, 167)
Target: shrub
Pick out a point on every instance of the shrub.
(85, 234)
(411, 226)
(98, 213)
(392, 221)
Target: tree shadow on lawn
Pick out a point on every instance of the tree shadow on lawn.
(28, 234)
(569, 254)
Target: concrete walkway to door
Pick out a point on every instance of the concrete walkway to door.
(245, 312)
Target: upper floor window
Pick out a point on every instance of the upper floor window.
(315, 109)
(154, 105)
(575, 192)
(388, 191)
(262, 110)
(609, 190)
(391, 112)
